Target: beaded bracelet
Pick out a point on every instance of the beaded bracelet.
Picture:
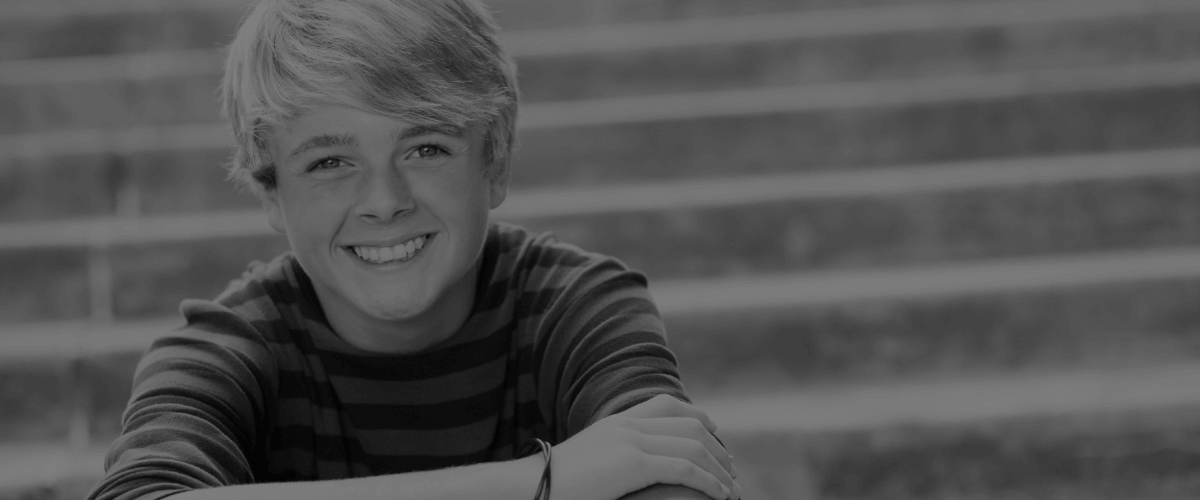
(543, 491)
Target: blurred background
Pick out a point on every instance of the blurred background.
(936, 249)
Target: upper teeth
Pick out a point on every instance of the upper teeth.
(402, 251)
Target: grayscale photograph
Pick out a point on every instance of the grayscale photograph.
(600, 249)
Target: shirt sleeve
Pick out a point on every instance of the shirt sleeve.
(196, 409)
(605, 348)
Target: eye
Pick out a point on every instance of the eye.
(325, 164)
(429, 151)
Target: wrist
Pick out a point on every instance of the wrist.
(523, 475)
(542, 447)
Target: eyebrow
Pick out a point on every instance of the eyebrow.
(333, 140)
(323, 141)
(420, 130)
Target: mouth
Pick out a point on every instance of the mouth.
(395, 254)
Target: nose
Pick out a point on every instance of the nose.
(384, 195)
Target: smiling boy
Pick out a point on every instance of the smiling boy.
(405, 347)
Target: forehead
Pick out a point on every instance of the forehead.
(330, 117)
(337, 125)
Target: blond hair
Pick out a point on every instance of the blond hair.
(428, 62)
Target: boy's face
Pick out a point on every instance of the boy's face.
(355, 191)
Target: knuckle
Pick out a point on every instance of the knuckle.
(642, 462)
(684, 470)
(696, 429)
(625, 425)
(627, 435)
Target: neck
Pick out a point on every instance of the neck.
(411, 335)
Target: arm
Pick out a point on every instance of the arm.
(512, 480)
(517, 479)
(198, 407)
(666, 492)
(197, 402)
(502, 480)
(613, 359)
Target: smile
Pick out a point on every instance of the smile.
(388, 255)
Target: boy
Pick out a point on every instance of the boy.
(405, 347)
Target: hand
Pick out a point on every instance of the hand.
(661, 441)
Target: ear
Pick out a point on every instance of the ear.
(498, 187)
(270, 203)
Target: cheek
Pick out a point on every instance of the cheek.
(313, 214)
(460, 192)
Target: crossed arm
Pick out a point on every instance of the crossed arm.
(662, 449)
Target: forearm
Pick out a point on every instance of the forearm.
(666, 492)
(511, 480)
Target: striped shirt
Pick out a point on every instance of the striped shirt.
(256, 387)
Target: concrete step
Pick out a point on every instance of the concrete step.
(701, 135)
(633, 37)
(154, 263)
(49, 471)
(54, 29)
(952, 331)
(591, 21)
(1094, 457)
(59, 399)
(851, 130)
(58, 280)
(1103, 434)
(177, 87)
(1045, 43)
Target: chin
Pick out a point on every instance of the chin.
(395, 310)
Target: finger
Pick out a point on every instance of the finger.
(672, 470)
(689, 428)
(667, 406)
(687, 449)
